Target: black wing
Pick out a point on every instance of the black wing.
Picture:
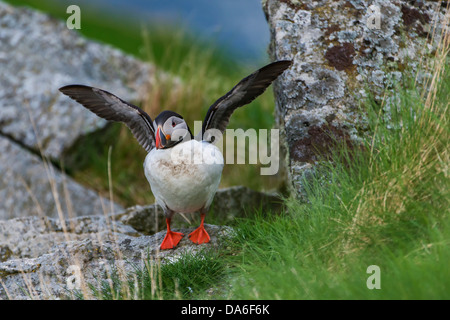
(243, 93)
(110, 107)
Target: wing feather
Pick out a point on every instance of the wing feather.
(110, 107)
(219, 113)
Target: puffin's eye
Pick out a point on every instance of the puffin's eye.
(173, 124)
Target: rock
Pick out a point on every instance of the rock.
(31, 187)
(39, 54)
(228, 204)
(48, 259)
(239, 201)
(342, 51)
(146, 219)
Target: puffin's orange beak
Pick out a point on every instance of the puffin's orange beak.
(161, 138)
(158, 138)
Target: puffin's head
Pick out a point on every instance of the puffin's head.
(170, 129)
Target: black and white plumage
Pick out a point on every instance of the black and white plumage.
(110, 107)
(183, 173)
(243, 93)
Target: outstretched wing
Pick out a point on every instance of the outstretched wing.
(110, 107)
(244, 92)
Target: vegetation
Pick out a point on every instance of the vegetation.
(191, 276)
(386, 204)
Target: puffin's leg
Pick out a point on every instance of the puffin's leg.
(200, 235)
(172, 238)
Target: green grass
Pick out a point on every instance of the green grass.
(386, 206)
(189, 277)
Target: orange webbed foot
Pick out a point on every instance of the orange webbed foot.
(200, 235)
(171, 240)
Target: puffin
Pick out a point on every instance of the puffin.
(183, 171)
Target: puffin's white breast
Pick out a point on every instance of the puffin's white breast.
(184, 178)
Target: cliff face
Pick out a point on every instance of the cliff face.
(342, 52)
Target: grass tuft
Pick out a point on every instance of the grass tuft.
(386, 204)
(191, 276)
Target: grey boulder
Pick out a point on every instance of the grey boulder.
(32, 187)
(38, 55)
